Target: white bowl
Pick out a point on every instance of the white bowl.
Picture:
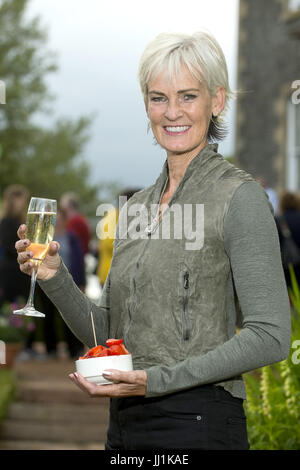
(92, 368)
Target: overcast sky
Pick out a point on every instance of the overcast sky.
(98, 45)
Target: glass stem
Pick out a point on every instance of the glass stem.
(32, 285)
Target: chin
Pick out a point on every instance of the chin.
(177, 148)
(180, 149)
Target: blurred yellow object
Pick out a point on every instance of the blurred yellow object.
(107, 235)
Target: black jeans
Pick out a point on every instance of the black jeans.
(201, 418)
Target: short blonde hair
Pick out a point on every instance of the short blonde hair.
(203, 56)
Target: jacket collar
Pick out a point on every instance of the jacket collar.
(206, 155)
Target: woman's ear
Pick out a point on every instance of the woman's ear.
(218, 101)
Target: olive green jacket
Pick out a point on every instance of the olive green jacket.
(177, 287)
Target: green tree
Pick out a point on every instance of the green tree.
(48, 161)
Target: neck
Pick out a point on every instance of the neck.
(178, 163)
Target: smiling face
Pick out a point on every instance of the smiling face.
(180, 111)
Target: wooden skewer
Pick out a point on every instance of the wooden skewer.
(93, 326)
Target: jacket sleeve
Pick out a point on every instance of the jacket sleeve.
(75, 307)
(251, 242)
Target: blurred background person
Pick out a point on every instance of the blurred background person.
(70, 248)
(13, 284)
(289, 211)
(77, 223)
(14, 287)
(272, 193)
(107, 235)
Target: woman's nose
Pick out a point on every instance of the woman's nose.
(173, 110)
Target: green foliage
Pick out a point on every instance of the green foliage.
(7, 389)
(294, 292)
(10, 335)
(14, 328)
(273, 394)
(47, 161)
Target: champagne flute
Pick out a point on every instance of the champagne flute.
(40, 226)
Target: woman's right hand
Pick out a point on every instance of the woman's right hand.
(48, 268)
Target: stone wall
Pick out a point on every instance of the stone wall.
(268, 64)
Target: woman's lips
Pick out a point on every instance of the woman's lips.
(176, 130)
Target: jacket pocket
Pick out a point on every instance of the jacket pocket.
(186, 322)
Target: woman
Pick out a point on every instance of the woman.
(13, 284)
(173, 298)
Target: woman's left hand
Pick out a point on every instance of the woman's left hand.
(126, 384)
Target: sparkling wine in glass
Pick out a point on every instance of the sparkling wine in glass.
(40, 226)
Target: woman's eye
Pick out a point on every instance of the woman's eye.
(189, 97)
(158, 99)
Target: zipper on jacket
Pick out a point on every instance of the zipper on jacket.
(156, 220)
(186, 319)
